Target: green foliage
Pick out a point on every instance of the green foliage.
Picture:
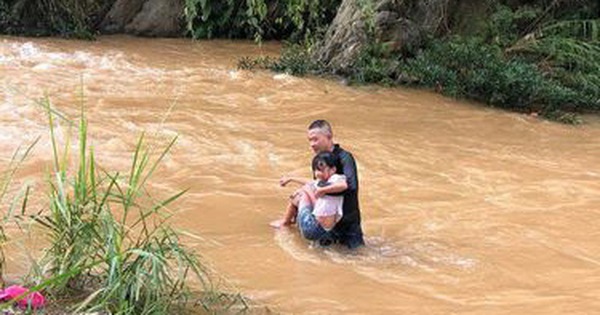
(4, 15)
(569, 53)
(258, 19)
(71, 18)
(584, 29)
(470, 68)
(17, 202)
(230, 18)
(505, 25)
(374, 64)
(367, 8)
(524, 60)
(109, 239)
(248, 63)
(295, 59)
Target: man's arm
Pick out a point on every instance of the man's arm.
(336, 187)
(349, 168)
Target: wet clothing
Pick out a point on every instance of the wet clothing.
(348, 230)
(330, 205)
(310, 228)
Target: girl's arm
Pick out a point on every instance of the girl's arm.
(288, 179)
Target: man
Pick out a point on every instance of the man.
(348, 230)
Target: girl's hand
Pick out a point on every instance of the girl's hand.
(284, 180)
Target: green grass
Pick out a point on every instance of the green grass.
(110, 247)
(17, 202)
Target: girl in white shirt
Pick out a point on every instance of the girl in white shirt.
(327, 209)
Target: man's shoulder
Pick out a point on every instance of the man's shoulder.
(337, 149)
(342, 153)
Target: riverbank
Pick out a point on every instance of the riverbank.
(462, 68)
(537, 58)
(476, 193)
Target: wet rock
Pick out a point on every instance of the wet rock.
(401, 25)
(160, 18)
(121, 13)
(345, 38)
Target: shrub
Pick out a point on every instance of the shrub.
(294, 20)
(109, 241)
(374, 65)
(295, 59)
(481, 71)
(69, 18)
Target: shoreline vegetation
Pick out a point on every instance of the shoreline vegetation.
(538, 57)
(110, 248)
(108, 245)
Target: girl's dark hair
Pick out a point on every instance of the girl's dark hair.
(323, 159)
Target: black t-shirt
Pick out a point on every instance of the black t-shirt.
(345, 165)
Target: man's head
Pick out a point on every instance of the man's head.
(320, 136)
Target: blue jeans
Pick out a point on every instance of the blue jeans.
(311, 229)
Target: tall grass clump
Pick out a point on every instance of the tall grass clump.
(18, 202)
(110, 243)
(295, 59)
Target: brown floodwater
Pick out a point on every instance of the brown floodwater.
(466, 209)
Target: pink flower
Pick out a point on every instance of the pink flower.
(36, 299)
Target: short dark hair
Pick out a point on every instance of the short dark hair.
(323, 159)
(323, 125)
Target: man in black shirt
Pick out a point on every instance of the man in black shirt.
(348, 230)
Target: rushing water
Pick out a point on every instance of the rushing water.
(466, 210)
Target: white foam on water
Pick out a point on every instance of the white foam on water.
(234, 75)
(27, 50)
(274, 159)
(292, 244)
(40, 58)
(282, 77)
(43, 67)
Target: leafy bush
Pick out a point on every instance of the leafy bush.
(374, 65)
(70, 18)
(258, 19)
(473, 69)
(295, 59)
(4, 15)
(506, 24)
(526, 60)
